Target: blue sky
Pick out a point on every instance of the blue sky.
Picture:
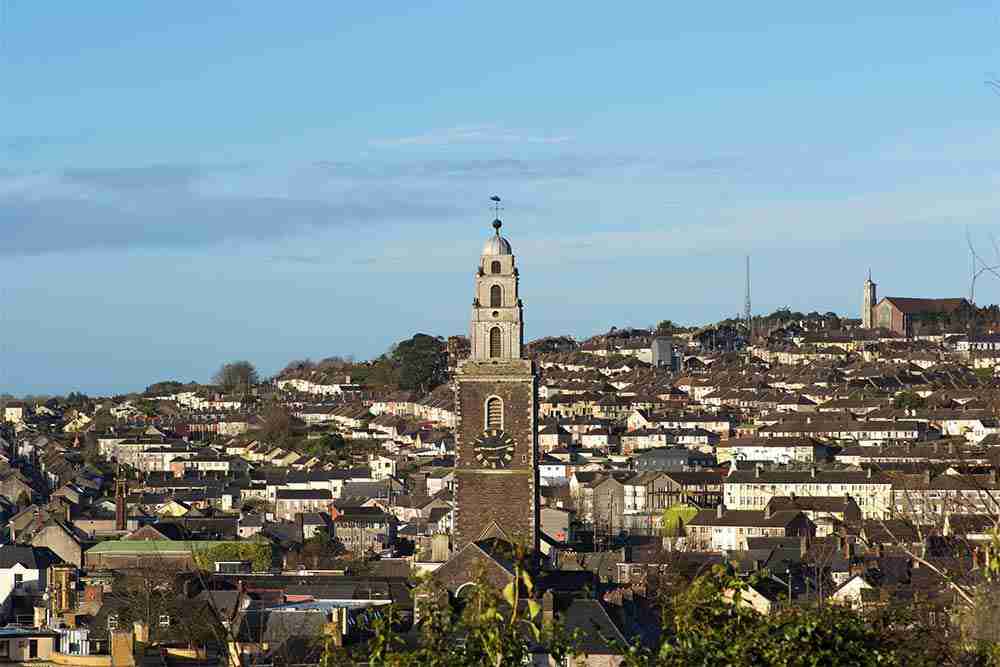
(190, 182)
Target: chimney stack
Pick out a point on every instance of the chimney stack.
(845, 547)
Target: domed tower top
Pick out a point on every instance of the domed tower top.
(496, 244)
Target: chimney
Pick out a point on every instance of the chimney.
(845, 547)
(720, 510)
(548, 608)
(803, 545)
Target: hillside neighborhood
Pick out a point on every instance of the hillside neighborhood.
(833, 464)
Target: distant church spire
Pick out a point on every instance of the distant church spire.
(868, 301)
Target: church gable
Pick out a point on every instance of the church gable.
(470, 565)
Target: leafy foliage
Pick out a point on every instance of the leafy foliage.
(259, 553)
(908, 400)
(708, 622)
(495, 628)
(675, 517)
(712, 625)
(422, 361)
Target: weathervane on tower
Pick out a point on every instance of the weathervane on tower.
(496, 213)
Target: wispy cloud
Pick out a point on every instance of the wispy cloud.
(130, 179)
(473, 134)
(23, 146)
(179, 207)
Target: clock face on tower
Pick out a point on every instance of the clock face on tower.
(494, 448)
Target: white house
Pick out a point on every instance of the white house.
(23, 571)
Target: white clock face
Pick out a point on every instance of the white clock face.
(494, 449)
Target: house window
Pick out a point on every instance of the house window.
(495, 267)
(164, 620)
(496, 296)
(496, 343)
(112, 621)
(18, 579)
(5, 649)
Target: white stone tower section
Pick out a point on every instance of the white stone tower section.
(868, 303)
(497, 329)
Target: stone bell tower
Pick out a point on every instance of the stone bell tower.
(496, 398)
(868, 303)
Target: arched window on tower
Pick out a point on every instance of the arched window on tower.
(495, 267)
(496, 296)
(496, 343)
(494, 413)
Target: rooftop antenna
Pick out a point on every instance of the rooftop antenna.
(749, 320)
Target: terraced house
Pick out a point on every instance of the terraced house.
(754, 489)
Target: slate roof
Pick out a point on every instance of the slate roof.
(912, 306)
(31, 558)
(744, 518)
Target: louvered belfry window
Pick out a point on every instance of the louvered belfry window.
(496, 343)
(494, 413)
(495, 267)
(496, 296)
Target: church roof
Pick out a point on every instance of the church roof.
(916, 306)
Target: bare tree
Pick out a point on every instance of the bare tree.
(236, 376)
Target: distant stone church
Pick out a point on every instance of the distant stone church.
(898, 314)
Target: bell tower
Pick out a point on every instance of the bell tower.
(496, 399)
(497, 326)
(868, 303)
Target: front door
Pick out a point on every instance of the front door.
(32, 648)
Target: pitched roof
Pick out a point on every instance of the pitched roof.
(912, 306)
(31, 558)
(744, 518)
